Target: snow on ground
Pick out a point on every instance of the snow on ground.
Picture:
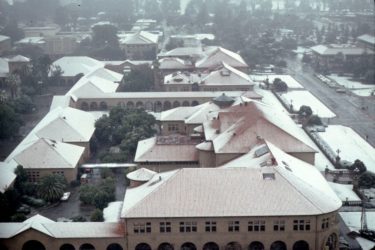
(353, 220)
(344, 191)
(299, 98)
(365, 244)
(351, 145)
(112, 212)
(356, 87)
(288, 79)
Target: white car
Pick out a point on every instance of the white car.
(65, 196)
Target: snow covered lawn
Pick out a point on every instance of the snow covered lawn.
(112, 212)
(302, 97)
(351, 145)
(356, 87)
(344, 191)
(353, 220)
(288, 79)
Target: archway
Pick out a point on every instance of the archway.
(87, 246)
(195, 87)
(93, 106)
(149, 106)
(233, 246)
(301, 245)
(130, 105)
(33, 245)
(143, 246)
(331, 242)
(114, 246)
(195, 103)
(120, 104)
(67, 247)
(176, 104)
(85, 106)
(165, 246)
(278, 245)
(158, 106)
(139, 105)
(211, 246)
(167, 105)
(185, 104)
(188, 246)
(256, 245)
(103, 106)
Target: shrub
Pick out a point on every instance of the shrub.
(78, 218)
(367, 180)
(18, 217)
(314, 120)
(97, 215)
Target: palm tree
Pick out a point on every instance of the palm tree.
(51, 187)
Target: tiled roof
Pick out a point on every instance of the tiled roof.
(174, 63)
(141, 37)
(219, 55)
(142, 174)
(227, 75)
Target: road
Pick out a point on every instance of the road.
(347, 107)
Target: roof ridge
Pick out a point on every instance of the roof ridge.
(71, 126)
(55, 149)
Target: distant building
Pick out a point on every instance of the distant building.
(36, 41)
(124, 67)
(43, 31)
(141, 45)
(366, 42)
(5, 44)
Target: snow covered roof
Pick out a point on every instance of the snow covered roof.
(7, 176)
(334, 49)
(217, 56)
(46, 154)
(288, 79)
(4, 67)
(238, 128)
(4, 38)
(206, 192)
(74, 65)
(36, 40)
(142, 174)
(19, 58)
(141, 37)
(344, 191)
(174, 63)
(182, 78)
(227, 75)
(367, 39)
(174, 148)
(61, 101)
(183, 52)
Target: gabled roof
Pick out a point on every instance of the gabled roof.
(36, 40)
(219, 55)
(141, 37)
(183, 52)
(238, 129)
(46, 154)
(174, 63)
(74, 65)
(335, 49)
(367, 39)
(182, 78)
(3, 38)
(142, 174)
(227, 75)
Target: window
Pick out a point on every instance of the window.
(234, 226)
(33, 176)
(187, 227)
(301, 225)
(325, 223)
(165, 227)
(58, 172)
(256, 226)
(279, 225)
(142, 227)
(210, 226)
(172, 127)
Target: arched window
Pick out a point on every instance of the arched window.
(130, 105)
(256, 245)
(301, 245)
(85, 106)
(185, 104)
(149, 106)
(158, 106)
(139, 105)
(143, 246)
(195, 103)
(176, 104)
(33, 245)
(211, 246)
(165, 246)
(167, 105)
(103, 106)
(195, 87)
(331, 242)
(93, 106)
(87, 246)
(188, 246)
(67, 247)
(114, 246)
(278, 245)
(233, 246)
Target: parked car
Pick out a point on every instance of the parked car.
(65, 196)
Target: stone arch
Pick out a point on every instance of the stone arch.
(188, 246)
(301, 245)
(331, 242)
(103, 106)
(194, 103)
(67, 247)
(278, 245)
(165, 246)
(158, 106)
(149, 106)
(93, 106)
(176, 104)
(167, 105)
(233, 246)
(86, 246)
(210, 246)
(143, 246)
(33, 245)
(185, 104)
(85, 106)
(130, 105)
(139, 105)
(256, 245)
(114, 246)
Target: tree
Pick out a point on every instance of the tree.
(78, 218)
(51, 187)
(279, 85)
(105, 34)
(97, 215)
(87, 193)
(101, 199)
(23, 105)
(141, 78)
(367, 180)
(174, 43)
(305, 111)
(314, 120)
(358, 166)
(10, 122)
